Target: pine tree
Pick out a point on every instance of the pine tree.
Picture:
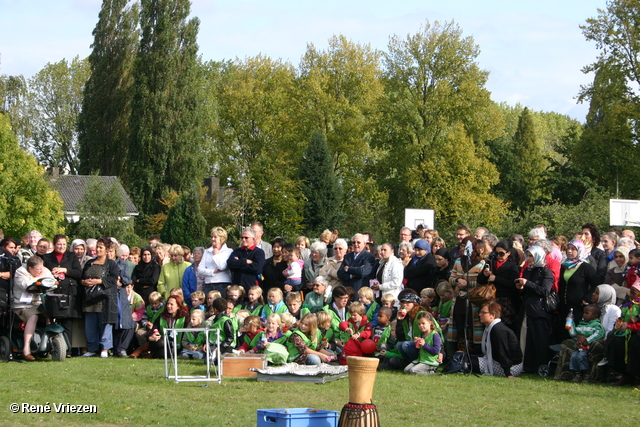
(529, 164)
(185, 224)
(106, 108)
(165, 151)
(320, 186)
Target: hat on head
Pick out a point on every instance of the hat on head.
(422, 244)
(410, 297)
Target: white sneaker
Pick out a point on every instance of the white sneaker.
(104, 354)
(88, 354)
(123, 353)
(603, 362)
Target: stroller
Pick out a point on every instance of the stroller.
(550, 368)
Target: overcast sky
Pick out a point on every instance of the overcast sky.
(534, 50)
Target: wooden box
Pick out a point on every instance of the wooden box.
(238, 365)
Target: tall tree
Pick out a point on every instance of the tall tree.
(436, 118)
(26, 201)
(106, 108)
(54, 103)
(185, 224)
(320, 185)
(165, 148)
(13, 95)
(255, 142)
(528, 167)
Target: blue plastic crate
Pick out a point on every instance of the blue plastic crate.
(297, 417)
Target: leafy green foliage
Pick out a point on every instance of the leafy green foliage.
(528, 165)
(26, 201)
(320, 186)
(165, 151)
(54, 102)
(185, 224)
(434, 125)
(102, 213)
(106, 108)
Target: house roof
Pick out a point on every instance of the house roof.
(72, 188)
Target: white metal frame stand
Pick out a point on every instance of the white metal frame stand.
(212, 357)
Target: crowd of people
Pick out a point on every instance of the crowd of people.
(414, 304)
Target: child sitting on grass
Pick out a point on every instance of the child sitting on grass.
(211, 297)
(295, 306)
(255, 302)
(235, 295)
(193, 342)
(274, 303)
(382, 331)
(587, 331)
(443, 312)
(250, 338)
(326, 331)
(429, 343)
(358, 329)
(151, 313)
(366, 297)
(223, 323)
(271, 333)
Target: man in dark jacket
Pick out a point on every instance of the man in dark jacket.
(357, 265)
(247, 261)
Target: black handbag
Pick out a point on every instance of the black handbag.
(96, 293)
(550, 302)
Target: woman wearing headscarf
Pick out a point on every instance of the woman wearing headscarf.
(418, 271)
(616, 275)
(536, 283)
(578, 280)
(502, 273)
(145, 275)
(79, 247)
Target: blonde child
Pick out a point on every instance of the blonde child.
(429, 343)
(177, 292)
(388, 300)
(193, 342)
(427, 296)
(274, 303)
(235, 295)
(293, 273)
(271, 333)
(151, 313)
(357, 329)
(303, 244)
(287, 323)
(295, 306)
(211, 297)
(303, 344)
(251, 327)
(326, 331)
(255, 302)
(366, 297)
(197, 301)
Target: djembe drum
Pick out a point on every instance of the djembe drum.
(360, 411)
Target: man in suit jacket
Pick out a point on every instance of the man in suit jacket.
(357, 266)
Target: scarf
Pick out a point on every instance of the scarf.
(486, 346)
(583, 254)
(539, 256)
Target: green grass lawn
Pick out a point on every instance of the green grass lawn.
(135, 392)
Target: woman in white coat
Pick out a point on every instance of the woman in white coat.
(213, 266)
(390, 273)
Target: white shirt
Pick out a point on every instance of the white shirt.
(211, 262)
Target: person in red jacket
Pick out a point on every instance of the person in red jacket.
(359, 329)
